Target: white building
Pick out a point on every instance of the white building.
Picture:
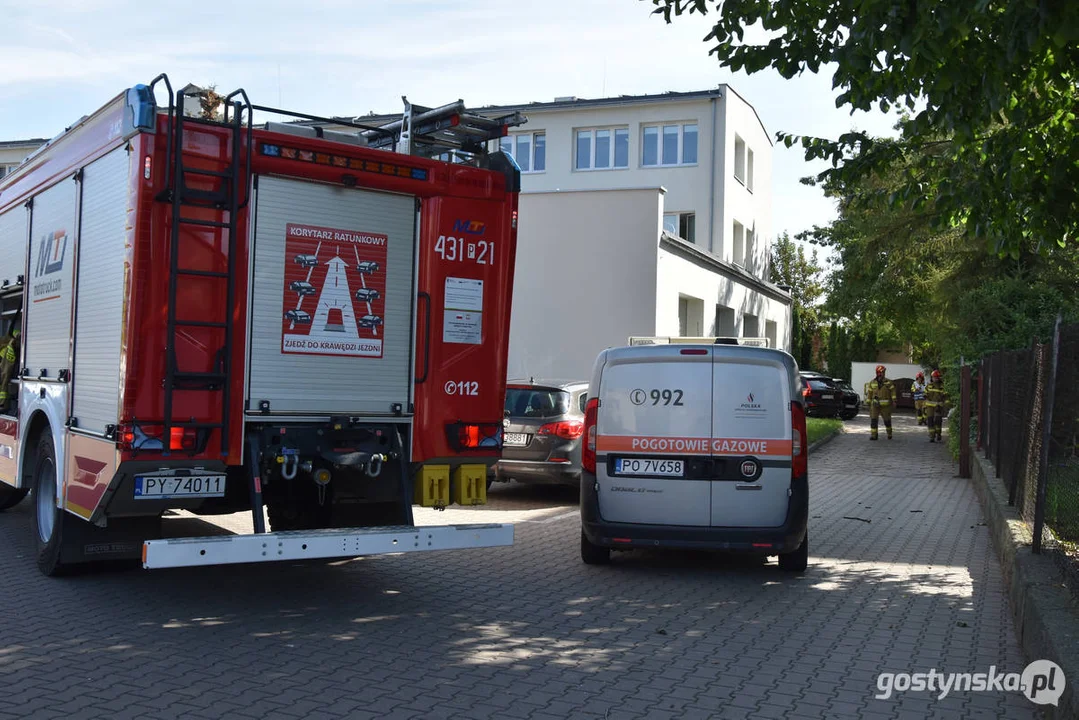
(13, 152)
(643, 215)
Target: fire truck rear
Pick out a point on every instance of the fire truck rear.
(211, 316)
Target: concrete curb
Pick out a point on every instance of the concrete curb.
(1046, 614)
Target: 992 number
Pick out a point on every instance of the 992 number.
(657, 396)
(667, 397)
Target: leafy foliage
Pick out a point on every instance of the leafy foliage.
(997, 79)
(790, 267)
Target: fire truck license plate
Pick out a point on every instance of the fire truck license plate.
(149, 487)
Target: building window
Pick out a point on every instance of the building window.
(740, 159)
(751, 326)
(770, 333)
(528, 149)
(725, 318)
(683, 225)
(739, 255)
(602, 149)
(669, 145)
(749, 170)
(5, 169)
(690, 316)
(750, 240)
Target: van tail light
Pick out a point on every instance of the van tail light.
(474, 436)
(567, 430)
(132, 436)
(799, 443)
(588, 450)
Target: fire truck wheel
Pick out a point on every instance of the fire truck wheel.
(10, 497)
(47, 520)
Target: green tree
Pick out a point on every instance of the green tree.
(901, 279)
(791, 267)
(995, 144)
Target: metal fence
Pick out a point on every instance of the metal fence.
(1028, 425)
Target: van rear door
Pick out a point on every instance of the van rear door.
(652, 435)
(751, 438)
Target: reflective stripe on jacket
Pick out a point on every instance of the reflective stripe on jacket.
(882, 393)
(935, 395)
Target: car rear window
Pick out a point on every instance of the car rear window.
(820, 385)
(536, 403)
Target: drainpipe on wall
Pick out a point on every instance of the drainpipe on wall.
(712, 187)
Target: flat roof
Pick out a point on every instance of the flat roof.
(16, 143)
(573, 103)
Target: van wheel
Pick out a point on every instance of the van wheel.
(10, 497)
(593, 554)
(47, 520)
(797, 560)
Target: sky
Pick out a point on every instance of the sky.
(61, 59)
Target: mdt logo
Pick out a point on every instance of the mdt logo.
(50, 256)
(472, 227)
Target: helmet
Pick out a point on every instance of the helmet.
(936, 375)
(920, 376)
(880, 369)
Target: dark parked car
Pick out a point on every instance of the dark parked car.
(822, 397)
(544, 422)
(852, 402)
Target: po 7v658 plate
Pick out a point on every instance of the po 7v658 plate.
(649, 466)
(164, 487)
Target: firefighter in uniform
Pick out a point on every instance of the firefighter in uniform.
(919, 397)
(9, 359)
(880, 393)
(935, 399)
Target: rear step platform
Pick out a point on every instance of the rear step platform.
(319, 544)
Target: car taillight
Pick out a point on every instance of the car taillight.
(567, 429)
(588, 450)
(806, 390)
(475, 436)
(149, 437)
(799, 444)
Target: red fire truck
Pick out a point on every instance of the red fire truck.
(213, 317)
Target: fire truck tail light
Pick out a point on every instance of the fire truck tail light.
(474, 436)
(149, 437)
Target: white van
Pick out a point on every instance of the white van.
(695, 446)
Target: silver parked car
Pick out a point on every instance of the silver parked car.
(544, 422)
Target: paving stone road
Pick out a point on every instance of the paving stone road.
(530, 632)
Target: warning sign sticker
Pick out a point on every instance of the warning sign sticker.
(334, 291)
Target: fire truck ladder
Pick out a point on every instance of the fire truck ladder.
(431, 132)
(225, 200)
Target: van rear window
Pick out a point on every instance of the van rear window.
(536, 403)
